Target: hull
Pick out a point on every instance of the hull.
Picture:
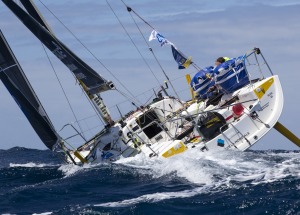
(259, 117)
(223, 128)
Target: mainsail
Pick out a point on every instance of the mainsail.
(17, 84)
(92, 81)
(34, 12)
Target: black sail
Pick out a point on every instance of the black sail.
(19, 87)
(34, 12)
(93, 82)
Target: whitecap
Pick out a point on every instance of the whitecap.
(45, 213)
(155, 197)
(225, 167)
(30, 165)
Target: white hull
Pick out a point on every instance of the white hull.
(262, 102)
(259, 116)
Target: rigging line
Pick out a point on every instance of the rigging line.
(79, 62)
(93, 106)
(133, 42)
(62, 88)
(95, 75)
(128, 98)
(121, 102)
(87, 49)
(129, 9)
(198, 68)
(151, 50)
(145, 103)
(138, 95)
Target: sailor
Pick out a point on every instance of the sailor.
(214, 90)
(218, 61)
(221, 60)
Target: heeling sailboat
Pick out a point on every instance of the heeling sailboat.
(245, 111)
(110, 142)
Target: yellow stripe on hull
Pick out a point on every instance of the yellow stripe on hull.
(177, 149)
(78, 155)
(262, 89)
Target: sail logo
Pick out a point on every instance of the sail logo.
(160, 38)
(58, 51)
(72, 67)
(80, 76)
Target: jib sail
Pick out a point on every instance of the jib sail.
(19, 87)
(93, 82)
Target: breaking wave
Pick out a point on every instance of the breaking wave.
(227, 181)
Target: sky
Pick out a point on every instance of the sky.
(203, 29)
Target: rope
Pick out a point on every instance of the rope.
(61, 86)
(129, 9)
(150, 49)
(88, 50)
(133, 42)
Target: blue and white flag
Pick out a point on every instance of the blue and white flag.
(182, 61)
(160, 38)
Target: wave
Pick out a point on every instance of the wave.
(209, 168)
(31, 165)
(155, 197)
(212, 172)
(139, 181)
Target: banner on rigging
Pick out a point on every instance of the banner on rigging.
(160, 38)
(182, 61)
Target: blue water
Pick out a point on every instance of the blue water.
(255, 182)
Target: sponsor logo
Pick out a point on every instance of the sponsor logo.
(241, 138)
(58, 51)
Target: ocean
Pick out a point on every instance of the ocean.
(228, 182)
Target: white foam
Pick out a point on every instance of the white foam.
(29, 165)
(211, 171)
(45, 213)
(70, 169)
(219, 167)
(182, 165)
(155, 197)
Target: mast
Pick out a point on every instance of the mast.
(92, 83)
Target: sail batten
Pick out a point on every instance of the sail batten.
(93, 82)
(19, 87)
(6, 68)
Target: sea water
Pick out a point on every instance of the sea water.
(228, 182)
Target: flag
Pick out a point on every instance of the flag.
(160, 38)
(183, 61)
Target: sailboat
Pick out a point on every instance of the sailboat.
(245, 108)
